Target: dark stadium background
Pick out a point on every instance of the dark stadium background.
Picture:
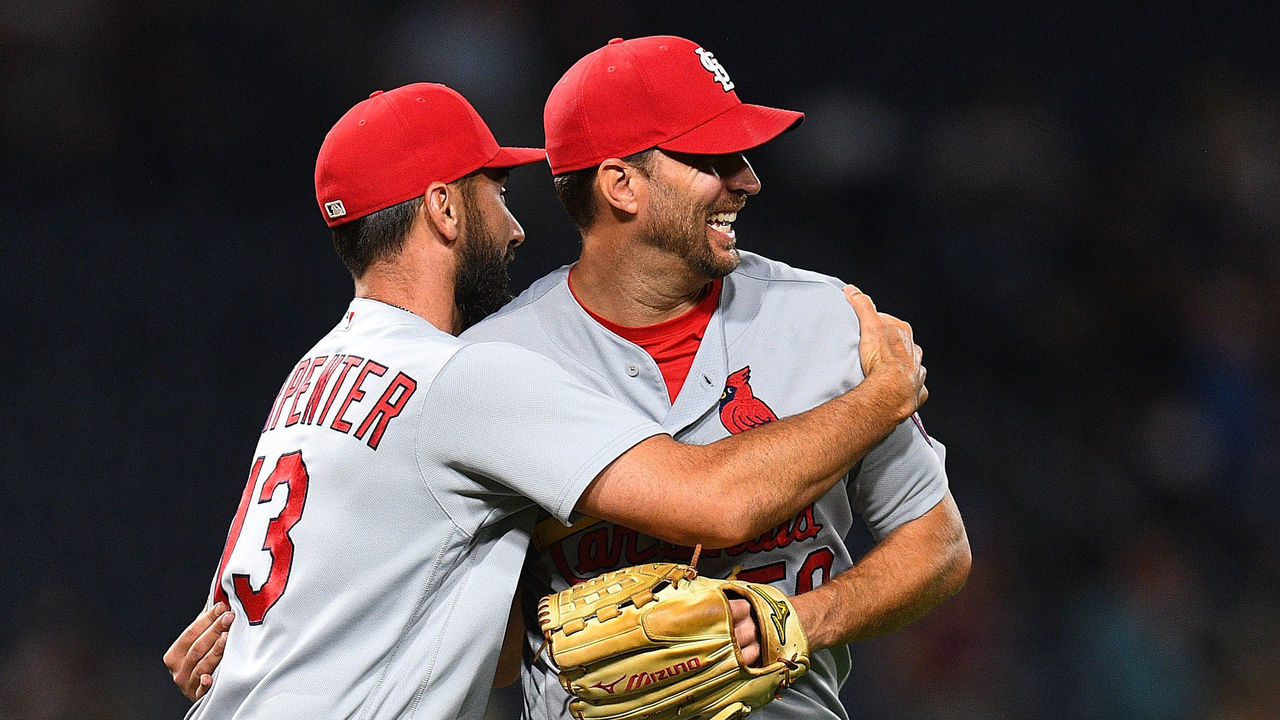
(1076, 205)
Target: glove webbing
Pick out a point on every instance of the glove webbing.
(638, 600)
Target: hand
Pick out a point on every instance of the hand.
(889, 355)
(745, 632)
(192, 658)
(597, 644)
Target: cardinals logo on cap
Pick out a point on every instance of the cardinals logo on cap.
(714, 67)
(740, 409)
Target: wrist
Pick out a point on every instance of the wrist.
(809, 610)
(886, 401)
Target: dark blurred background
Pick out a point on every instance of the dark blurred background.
(1077, 206)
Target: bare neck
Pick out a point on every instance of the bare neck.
(423, 293)
(634, 285)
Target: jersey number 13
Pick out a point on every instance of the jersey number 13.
(291, 473)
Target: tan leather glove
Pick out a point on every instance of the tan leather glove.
(656, 641)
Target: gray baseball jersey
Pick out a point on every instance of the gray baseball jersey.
(380, 536)
(780, 342)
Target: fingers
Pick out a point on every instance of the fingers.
(861, 304)
(179, 648)
(901, 325)
(887, 350)
(204, 669)
(852, 293)
(745, 632)
(193, 656)
(206, 642)
(906, 334)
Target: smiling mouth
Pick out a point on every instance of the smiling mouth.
(722, 222)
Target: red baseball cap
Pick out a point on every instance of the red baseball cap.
(389, 148)
(660, 91)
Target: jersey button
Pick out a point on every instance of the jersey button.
(633, 369)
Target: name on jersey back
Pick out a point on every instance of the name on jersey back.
(319, 386)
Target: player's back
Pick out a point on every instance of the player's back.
(347, 573)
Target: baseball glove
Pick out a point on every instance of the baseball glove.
(656, 641)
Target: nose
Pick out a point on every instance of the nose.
(738, 175)
(517, 232)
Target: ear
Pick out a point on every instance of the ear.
(443, 210)
(619, 184)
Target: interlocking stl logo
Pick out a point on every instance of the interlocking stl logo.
(714, 67)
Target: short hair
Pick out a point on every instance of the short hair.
(380, 235)
(575, 189)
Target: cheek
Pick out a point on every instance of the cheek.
(496, 222)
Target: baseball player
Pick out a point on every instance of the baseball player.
(665, 314)
(373, 558)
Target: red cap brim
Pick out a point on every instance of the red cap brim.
(739, 128)
(509, 157)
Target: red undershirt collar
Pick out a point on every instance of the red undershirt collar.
(671, 343)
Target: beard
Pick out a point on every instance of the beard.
(681, 228)
(481, 283)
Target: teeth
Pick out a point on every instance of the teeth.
(722, 218)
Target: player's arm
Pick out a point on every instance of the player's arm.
(192, 657)
(734, 489)
(915, 567)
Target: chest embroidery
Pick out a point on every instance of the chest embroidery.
(740, 409)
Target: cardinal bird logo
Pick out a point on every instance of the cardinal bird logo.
(739, 408)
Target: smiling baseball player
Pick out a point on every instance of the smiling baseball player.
(374, 554)
(665, 314)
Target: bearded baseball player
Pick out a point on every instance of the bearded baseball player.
(665, 314)
(374, 555)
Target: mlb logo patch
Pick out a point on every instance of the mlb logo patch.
(335, 209)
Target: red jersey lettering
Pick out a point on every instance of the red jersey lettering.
(401, 388)
(356, 394)
(294, 415)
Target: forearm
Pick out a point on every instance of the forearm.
(738, 487)
(903, 577)
(767, 474)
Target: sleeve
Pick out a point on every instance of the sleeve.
(901, 479)
(904, 476)
(507, 414)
